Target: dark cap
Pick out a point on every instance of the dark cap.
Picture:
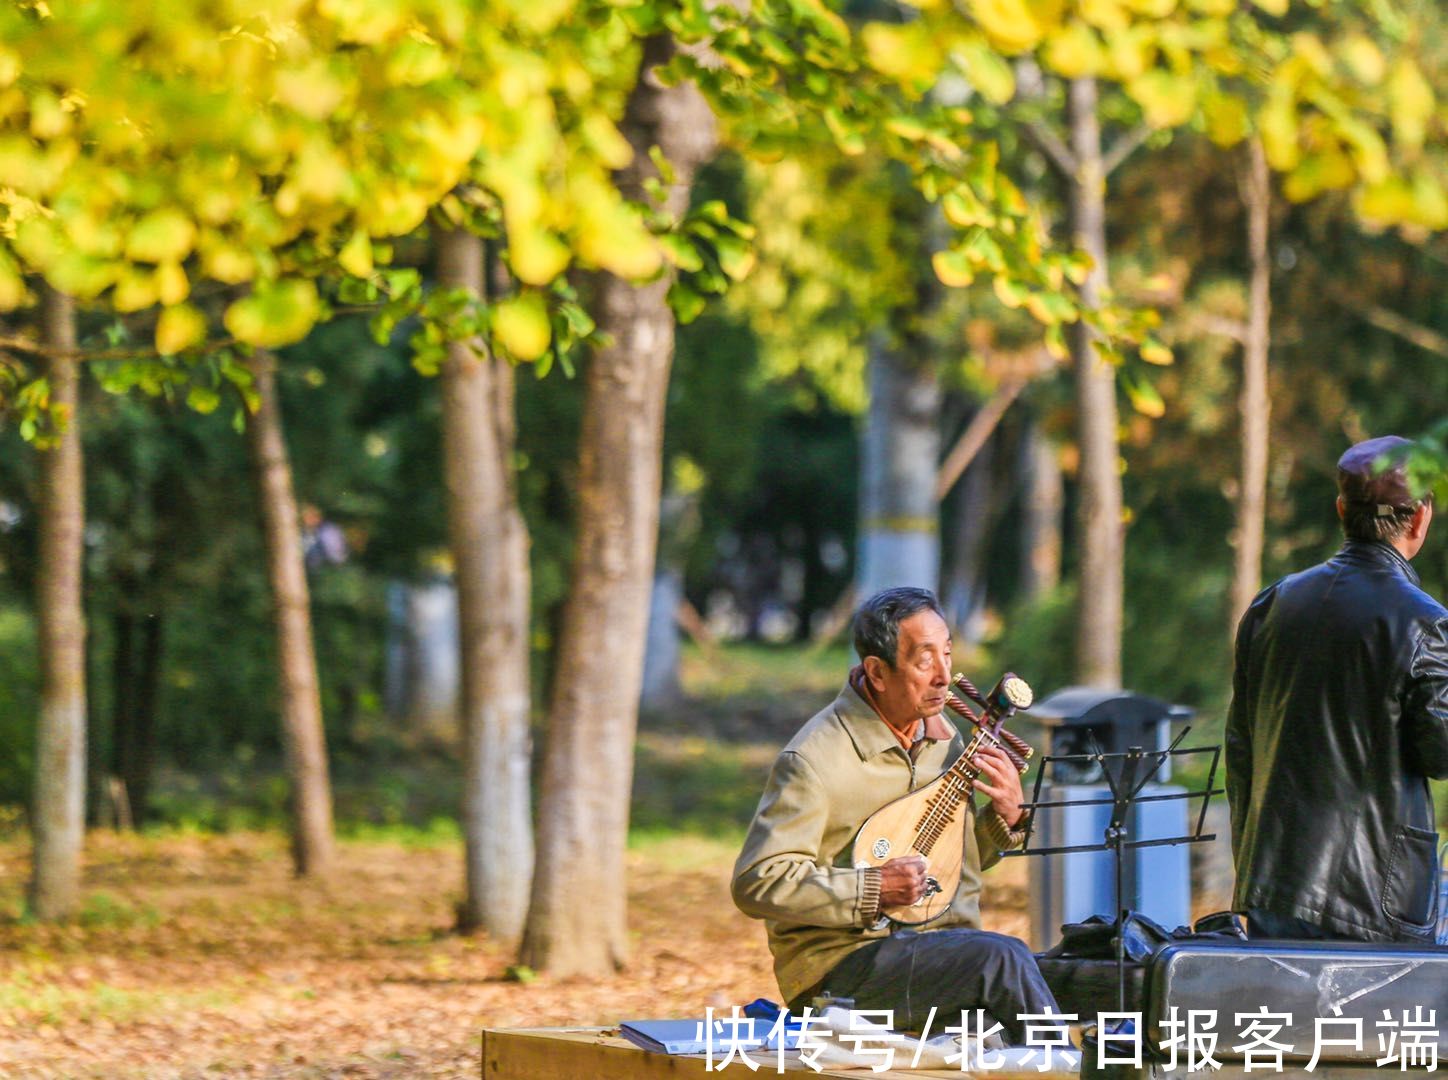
(1374, 473)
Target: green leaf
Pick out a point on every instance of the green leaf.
(685, 302)
(161, 236)
(203, 399)
(681, 253)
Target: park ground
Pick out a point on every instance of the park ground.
(198, 954)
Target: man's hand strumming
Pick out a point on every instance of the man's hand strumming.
(902, 881)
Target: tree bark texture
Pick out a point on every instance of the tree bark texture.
(303, 737)
(1256, 185)
(1099, 618)
(899, 540)
(1041, 522)
(489, 544)
(577, 922)
(58, 824)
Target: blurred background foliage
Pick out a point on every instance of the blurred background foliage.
(762, 438)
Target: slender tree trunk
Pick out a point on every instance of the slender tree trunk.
(899, 540)
(123, 705)
(964, 589)
(577, 920)
(148, 684)
(1041, 521)
(60, 752)
(1099, 619)
(301, 700)
(1256, 188)
(490, 555)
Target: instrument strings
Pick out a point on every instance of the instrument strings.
(942, 805)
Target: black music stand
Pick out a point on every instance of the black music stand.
(1125, 777)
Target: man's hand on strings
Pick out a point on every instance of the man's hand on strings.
(999, 782)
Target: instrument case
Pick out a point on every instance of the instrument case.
(1308, 979)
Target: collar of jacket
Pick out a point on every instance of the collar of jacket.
(867, 728)
(1382, 553)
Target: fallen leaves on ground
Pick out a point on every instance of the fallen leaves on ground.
(202, 956)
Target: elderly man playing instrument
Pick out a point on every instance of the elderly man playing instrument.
(1339, 716)
(881, 738)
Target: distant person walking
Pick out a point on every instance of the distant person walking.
(1339, 716)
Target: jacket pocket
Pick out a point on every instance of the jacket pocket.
(1410, 890)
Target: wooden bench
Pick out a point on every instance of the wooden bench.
(595, 1053)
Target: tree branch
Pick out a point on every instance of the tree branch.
(975, 435)
(1220, 324)
(1049, 143)
(1401, 326)
(1125, 147)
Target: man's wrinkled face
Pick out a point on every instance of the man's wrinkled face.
(916, 686)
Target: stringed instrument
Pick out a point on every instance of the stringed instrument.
(931, 820)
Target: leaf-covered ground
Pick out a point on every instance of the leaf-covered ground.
(200, 956)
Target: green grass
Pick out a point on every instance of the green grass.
(751, 670)
(45, 1003)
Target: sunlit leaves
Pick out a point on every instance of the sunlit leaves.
(521, 326)
(276, 313)
(1410, 103)
(242, 145)
(1143, 396)
(179, 328)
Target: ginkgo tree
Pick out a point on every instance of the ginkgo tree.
(1338, 92)
(265, 150)
(149, 153)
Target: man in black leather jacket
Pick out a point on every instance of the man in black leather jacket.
(1339, 715)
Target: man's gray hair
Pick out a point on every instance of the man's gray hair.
(877, 622)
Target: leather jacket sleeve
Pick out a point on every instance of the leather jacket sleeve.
(1238, 737)
(1425, 710)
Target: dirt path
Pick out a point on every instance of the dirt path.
(201, 957)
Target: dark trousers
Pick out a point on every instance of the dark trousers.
(953, 970)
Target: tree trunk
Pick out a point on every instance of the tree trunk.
(964, 589)
(489, 544)
(1255, 404)
(60, 744)
(661, 688)
(1099, 619)
(1041, 520)
(899, 512)
(135, 682)
(577, 921)
(301, 702)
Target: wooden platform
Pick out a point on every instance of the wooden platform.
(602, 1054)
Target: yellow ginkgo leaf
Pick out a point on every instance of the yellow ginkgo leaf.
(1410, 98)
(276, 313)
(356, 255)
(521, 325)
(179, 328)
(164, 235)
(953, 268)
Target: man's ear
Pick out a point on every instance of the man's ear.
(875, 671)
(1341, 508)
(1418, 524)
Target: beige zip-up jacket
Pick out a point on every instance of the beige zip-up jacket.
(794, 871)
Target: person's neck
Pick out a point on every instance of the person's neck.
(905, 728)
(1407, 546)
